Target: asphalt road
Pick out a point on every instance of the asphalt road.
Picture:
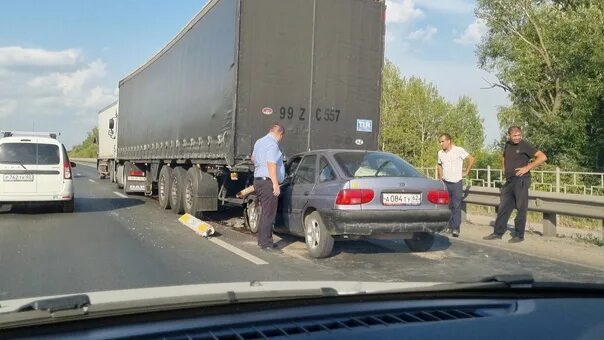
(116, 242)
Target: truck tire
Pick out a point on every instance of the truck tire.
(190, 194)
(99, 171)
(420, 242)
(125, 172)
(164, 185)
(253, 211)
(119, 176)
(318, 240)
(177, 190)
(112, 172)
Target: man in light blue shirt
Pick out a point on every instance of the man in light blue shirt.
(268, 174)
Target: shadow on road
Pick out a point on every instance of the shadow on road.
(385, 246)
(82, 205)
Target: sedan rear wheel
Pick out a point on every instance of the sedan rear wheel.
(318, 240)
(420, 242)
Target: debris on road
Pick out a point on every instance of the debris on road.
(198, 226)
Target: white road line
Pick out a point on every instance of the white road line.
(91, 180)
(120, 194)
(237, 251)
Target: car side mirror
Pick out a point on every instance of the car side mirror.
(73, 165)
(111, 124)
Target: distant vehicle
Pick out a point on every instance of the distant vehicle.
(351, 194)
(35, 168)
(107, 142)
(189, 117)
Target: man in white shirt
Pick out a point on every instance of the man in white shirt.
(451, 172)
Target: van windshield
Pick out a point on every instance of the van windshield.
(29, 153)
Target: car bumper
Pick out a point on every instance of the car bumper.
(65, 194)
(378, 223)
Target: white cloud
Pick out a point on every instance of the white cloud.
(450, 6)
(59, 91)
(19, 56)
(423, 33)
(7, 107)
(402, 11)
(473, 33)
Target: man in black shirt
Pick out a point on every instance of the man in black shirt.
(517, 154)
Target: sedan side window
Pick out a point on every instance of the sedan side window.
(326, 173)
(306, 170)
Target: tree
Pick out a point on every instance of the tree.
(549, 56)
(414, 114)
(88, 148)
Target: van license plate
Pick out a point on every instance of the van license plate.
(18, 178)
(401, 199)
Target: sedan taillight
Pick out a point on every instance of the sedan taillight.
(354, 196)
(66, 170)
(438, 197)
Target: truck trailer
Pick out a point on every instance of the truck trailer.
(189, 117)
(107, 141)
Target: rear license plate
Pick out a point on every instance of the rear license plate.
(18, 178)
(401, 199)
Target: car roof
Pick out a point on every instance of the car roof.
(30, 139)
(332, 151)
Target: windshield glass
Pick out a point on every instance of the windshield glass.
(374, 164)
(29, 153)
(246, 141)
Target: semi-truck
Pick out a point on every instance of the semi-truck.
(107, 141)
(189, 116)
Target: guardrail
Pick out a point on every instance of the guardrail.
(570, 182)
(84, 160)
(550, 204)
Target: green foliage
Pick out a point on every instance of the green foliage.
(549, 56)
(414, 114)
(88, 148)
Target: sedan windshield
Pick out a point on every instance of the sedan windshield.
(374, 164)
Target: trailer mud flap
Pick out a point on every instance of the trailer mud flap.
(205, 190)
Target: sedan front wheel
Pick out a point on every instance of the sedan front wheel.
(318, 240)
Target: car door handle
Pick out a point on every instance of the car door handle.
(306, 193)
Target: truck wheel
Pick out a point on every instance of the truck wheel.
(69, 206)
(420, 242)
(318, 240)
(253, 211)
(125, 173)
(112, 172)
(99, 171)
(177, 190)
(164, 185)
(190, 194)
(119, 176)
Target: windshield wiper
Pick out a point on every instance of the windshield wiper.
(71, 302)
(14, 162)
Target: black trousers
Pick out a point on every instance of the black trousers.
(514, 195)
(268, 202)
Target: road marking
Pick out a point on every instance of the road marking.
(91, 180)
(237, 251)
(120, 194)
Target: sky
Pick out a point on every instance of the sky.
(61, 60)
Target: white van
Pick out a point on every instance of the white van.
(34, 167)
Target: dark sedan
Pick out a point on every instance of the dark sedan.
(348, 194)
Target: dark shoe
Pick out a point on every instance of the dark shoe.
(493, 236)
(516, 239)
(455, 233)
